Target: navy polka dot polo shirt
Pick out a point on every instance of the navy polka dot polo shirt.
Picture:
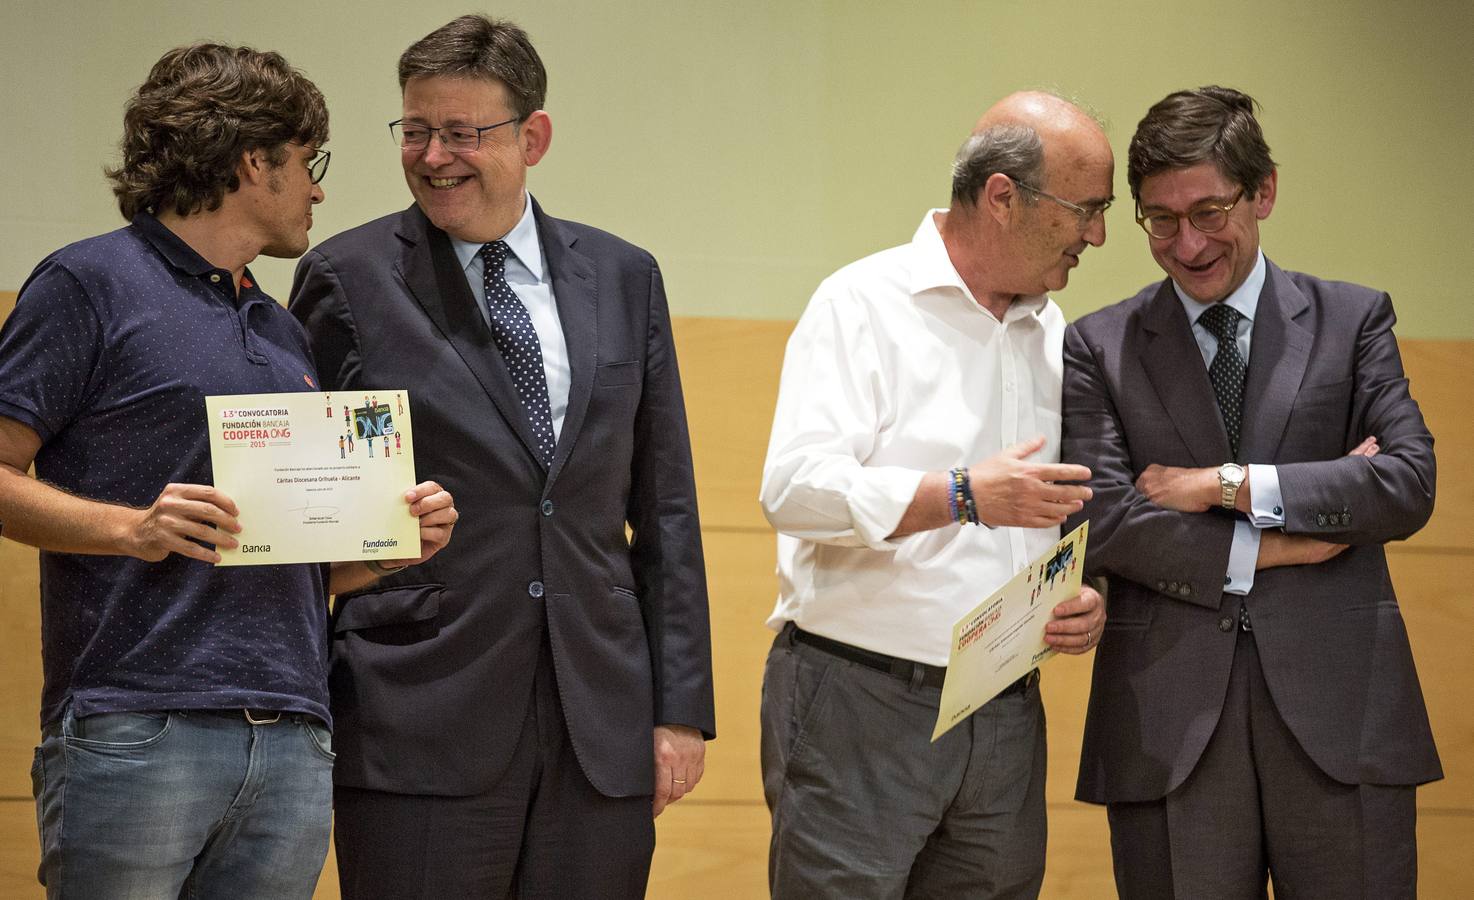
(113, 345)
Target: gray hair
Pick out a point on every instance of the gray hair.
(1009, 149)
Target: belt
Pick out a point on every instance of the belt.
(904, 669)
(253, 716)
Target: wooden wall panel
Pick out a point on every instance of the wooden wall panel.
(1432, 592)
(20, 848)
(742, 585)
(20, 656)
(729, 369)
(714, 851)
(20, 667)
(1440, 374)
(714, 844)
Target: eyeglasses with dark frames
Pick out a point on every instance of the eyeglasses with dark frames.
(456, 138)
(1207, 218)
(1084, 213)
(317, 163)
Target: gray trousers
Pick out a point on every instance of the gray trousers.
(1256, 806)
(865, 806)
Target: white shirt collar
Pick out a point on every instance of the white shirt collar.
(1245, 297)
(521, 240)
(932, 268)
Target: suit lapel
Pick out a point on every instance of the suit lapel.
(575, 290)
(1174, 366)
(1278, 354)
(434, 277)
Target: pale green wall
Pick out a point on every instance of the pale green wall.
(755, 146)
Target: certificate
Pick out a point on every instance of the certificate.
(317, 477)
(1003, 638)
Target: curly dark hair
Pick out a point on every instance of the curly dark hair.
(1211, 124)
(200, 109)
(481, 47)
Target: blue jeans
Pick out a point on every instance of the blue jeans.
(182, 804)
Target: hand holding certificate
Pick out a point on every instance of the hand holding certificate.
(1003, 638)
(316, 477)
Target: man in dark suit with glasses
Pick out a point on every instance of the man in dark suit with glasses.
(1254, 711)
(511, 715)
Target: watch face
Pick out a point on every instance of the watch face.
(1231, 473)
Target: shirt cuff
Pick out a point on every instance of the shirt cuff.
(878, 500)
(1266, 505)
(1243, 555)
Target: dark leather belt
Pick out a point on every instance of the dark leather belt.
(904, 669)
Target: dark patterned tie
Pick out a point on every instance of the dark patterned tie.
(1227, 370)
(511, 326)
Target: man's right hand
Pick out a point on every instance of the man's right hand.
(1279, 549)
(181, 512)
(1010, 490)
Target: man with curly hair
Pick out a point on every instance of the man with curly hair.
(185, 730)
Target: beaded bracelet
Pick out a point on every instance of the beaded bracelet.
(970, 507)
(957, 495)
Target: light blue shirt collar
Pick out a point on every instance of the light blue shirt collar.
(1245, 298)
(521, 240)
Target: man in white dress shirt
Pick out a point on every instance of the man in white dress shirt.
(911, 471)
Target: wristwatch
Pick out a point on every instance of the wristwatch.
(1230, 478)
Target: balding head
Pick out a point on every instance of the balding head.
(1048, 114)
(1016, 136)
(1029, 146)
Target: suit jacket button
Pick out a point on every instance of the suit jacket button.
(1173, 587)
(1225, 623)
(1320, 519)
(1162, 586)
(1186, 589)
(535, 590)
(547, 507)
(1345, 518)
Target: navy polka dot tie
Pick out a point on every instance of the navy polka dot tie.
(1227, 370)
(511, 326)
